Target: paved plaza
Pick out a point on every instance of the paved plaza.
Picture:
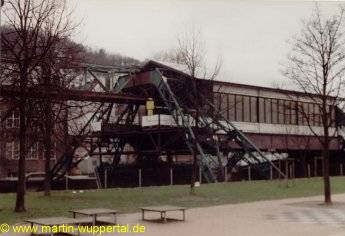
(299, 216)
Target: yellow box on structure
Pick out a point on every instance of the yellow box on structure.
(150, 106)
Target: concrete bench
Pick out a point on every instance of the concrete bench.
(163, 212)
(94, 212)
(58, 221)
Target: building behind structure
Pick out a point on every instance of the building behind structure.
(9, 146)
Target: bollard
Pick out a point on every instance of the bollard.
(200, 174)
(171, 176)
(225, 174)
(106, 179)
(66, 182)
(341, 169)
(249, 174)
(271, 173)
(140, 181)
(315, 167)
(291, 171)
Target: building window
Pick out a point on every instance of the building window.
(253, 109)
(33, 152)
(216, 102)
(317, 115)
(332, 115)
(293, 113)
(224, 105)
(299, 113)
(232, 105)
(287, 112)
(12, 150)
(52, 152)
(12, 121)
(281, 112)
(268, 110)
(262, 110)
(311, 114)
(274, 111)
(243, 108)
(305, 112)
(239, 107)
(246, 109)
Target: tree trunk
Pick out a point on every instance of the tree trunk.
(20, 200)
(326, 177)
(221, 174)
(65, 130)
(47, 146)
(325, 157)
(194, 163)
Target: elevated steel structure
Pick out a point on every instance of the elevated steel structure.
(150, 143)
(130, 87)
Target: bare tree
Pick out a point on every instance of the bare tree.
(55, 74)
(190, 56)
(316, 66)
(35, 31)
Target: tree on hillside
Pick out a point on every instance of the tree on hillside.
(102, 57)
(316, 66)
(190, 55)
(31, 43)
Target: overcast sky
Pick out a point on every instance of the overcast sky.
(250, 36)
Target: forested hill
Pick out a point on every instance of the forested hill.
(79, 51)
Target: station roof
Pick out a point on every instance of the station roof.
(152, 64)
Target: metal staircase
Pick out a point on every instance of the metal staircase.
(183, 122)
(251, 153)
